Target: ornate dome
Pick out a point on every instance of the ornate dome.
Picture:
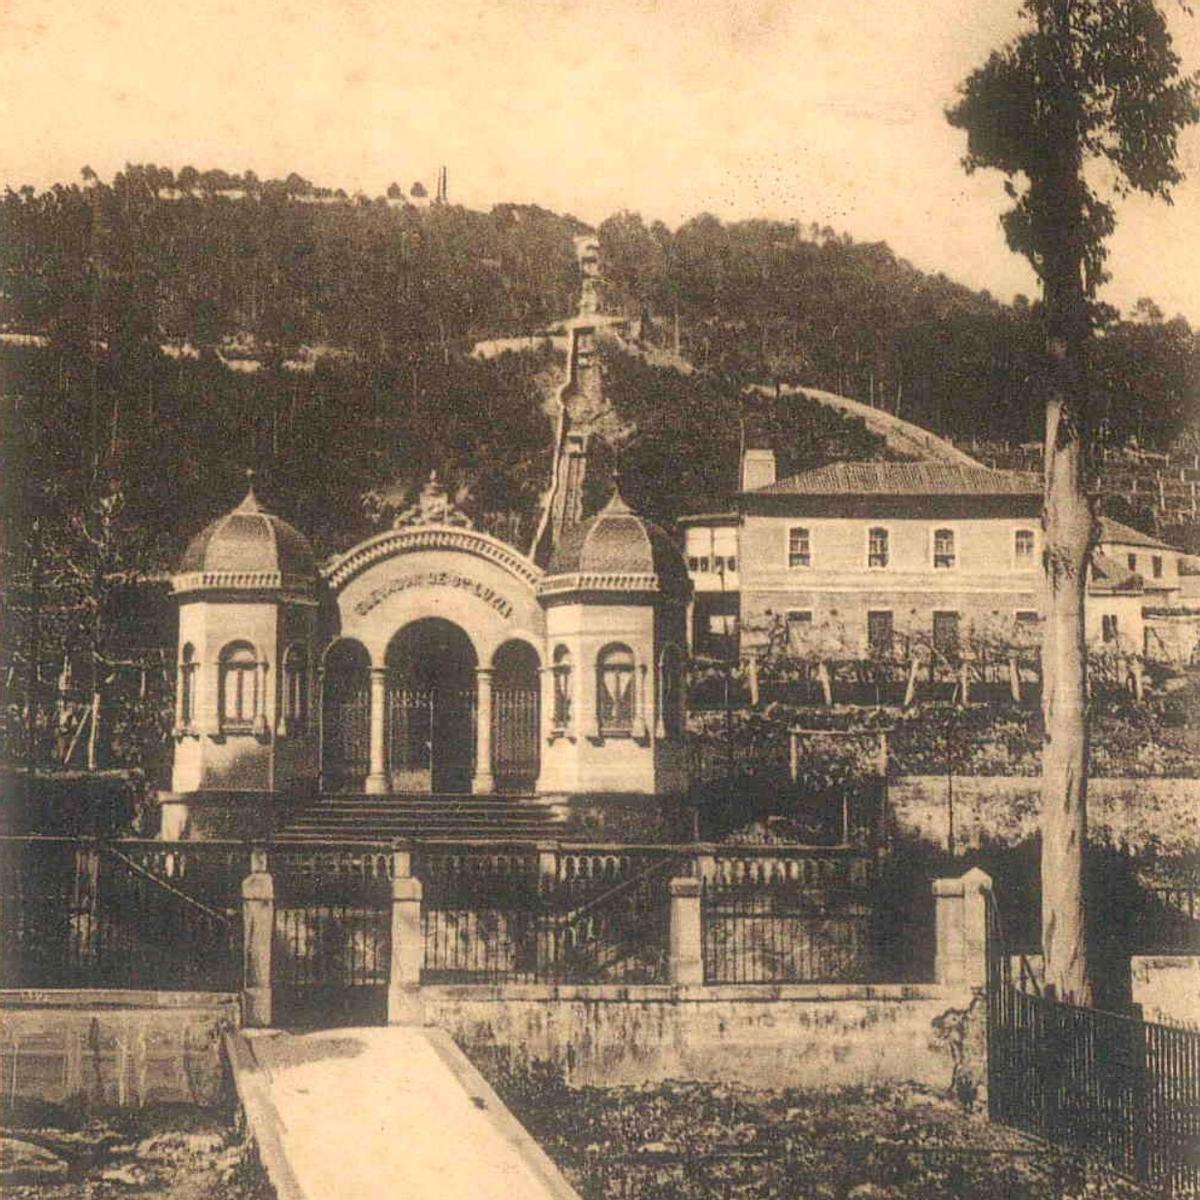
(616, 550)
(247, 548)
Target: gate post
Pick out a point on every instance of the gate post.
(685, 954)
(404, 1005)
(961, 925)
(258, 928)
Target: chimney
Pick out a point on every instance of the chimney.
(758, 469)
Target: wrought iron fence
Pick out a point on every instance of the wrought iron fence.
(76, 913)
(787, 919)
(578, 915)
(1122, 1089)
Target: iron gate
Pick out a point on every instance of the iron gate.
(515, 737)
(345, 734)
(430, 737)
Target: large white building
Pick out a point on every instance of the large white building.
(858, 558)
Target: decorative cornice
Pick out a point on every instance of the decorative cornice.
(429, 537)
(255, 581)
(600, 582)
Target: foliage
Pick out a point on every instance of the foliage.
(782, 300)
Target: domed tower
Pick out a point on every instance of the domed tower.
(615, 596)
(245, 712)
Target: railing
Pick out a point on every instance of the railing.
(794, 918)
(1123, 1089)
(75, 913)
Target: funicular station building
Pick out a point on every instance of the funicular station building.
(428, 665)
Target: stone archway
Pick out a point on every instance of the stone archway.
(516, 717)
(430, 707)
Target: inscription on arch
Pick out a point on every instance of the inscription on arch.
(448, 579)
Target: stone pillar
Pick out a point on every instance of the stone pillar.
(404, 1005)
(685, 961)
(484, 782)
(258, 928)
(961, 919)
(377, 780)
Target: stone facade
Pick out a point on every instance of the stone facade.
(429, 658)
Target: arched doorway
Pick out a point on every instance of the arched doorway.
(431, 708)
(516, 737)
(345, 717)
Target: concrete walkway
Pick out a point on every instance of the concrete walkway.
(369, 1114)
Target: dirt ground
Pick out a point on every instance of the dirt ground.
(686, 1140)
(168, 1154)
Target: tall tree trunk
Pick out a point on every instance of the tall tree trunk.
(1068, 531)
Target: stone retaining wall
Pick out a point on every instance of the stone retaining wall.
(804, 1035)
(113, 1048)
(1006, 807)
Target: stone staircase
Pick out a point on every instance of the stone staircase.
(448, 816)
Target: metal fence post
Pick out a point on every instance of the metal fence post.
(404, 1005)
(685, 962)
(258, 928)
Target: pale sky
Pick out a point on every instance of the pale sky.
(809, 110)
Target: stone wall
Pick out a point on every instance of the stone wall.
(1167, 986)
(1005, 808)
(113, 1048)
(802, 1035)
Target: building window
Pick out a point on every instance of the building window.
(1132, 560)
(1108, 627)
(1026, 616)
(799, 547)
(1156, 566)
(880, 633)
(295, 688)
(562, 687)
(799, 627)
(187, 686)
(693, 563)
(945, 633)
(943, 549)
(1023, 546)
(615, 689)
(239, 687)
(877, 547)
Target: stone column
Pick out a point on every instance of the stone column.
(484, 782)
(961, 920)
(377, 780)
(685, 961)
(404, 1005)
(258, 927)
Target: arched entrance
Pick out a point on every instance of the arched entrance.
(431, 708)
(516, 737)
(345, 717)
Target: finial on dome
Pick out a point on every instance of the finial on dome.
(250, 504)
(617, 502)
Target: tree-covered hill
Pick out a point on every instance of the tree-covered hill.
(770, 300)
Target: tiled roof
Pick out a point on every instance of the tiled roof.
(903, 479)
(1109, 575)
(1126, 535)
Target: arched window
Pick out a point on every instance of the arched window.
(670, 692)
(877, 547)
(943, 549)
(563, 686)
(239, 687)
(295, 689)
(615, 690)
(187, 686)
